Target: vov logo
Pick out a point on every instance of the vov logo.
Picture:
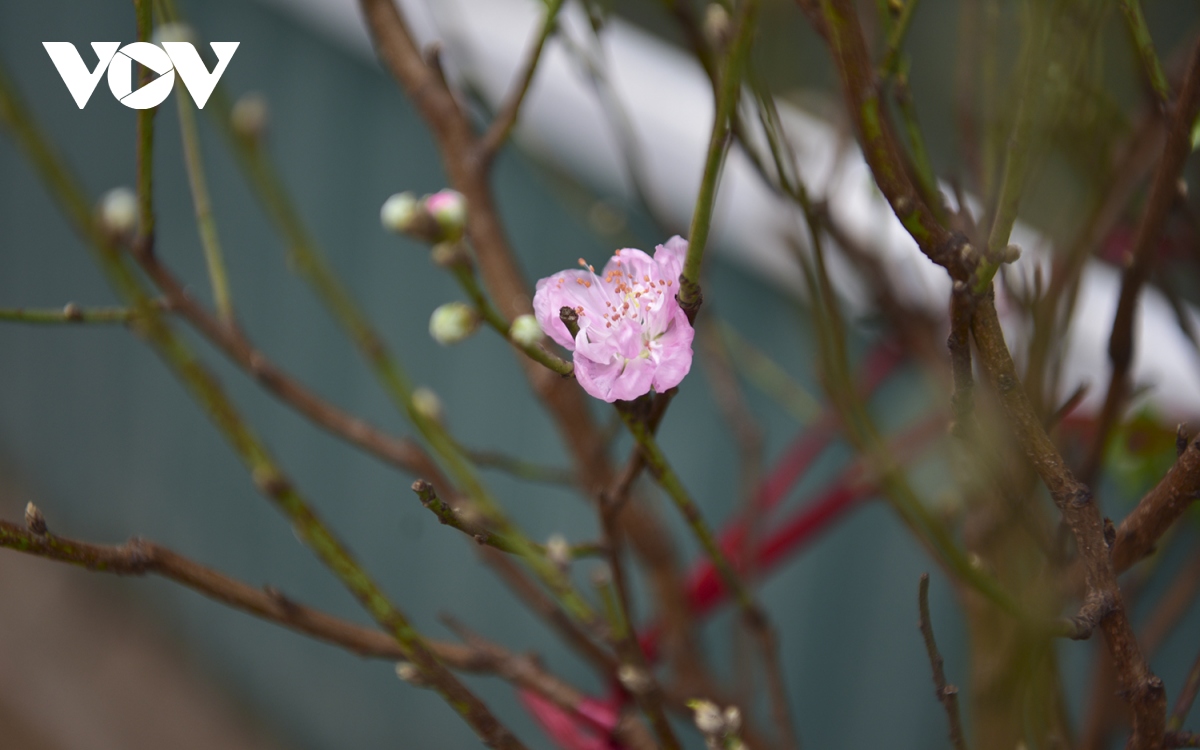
(164, 60)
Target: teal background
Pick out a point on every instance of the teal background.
(94, 426)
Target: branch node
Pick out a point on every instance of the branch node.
(34, 520)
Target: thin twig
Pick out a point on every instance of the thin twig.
(1158, 510)
(498, 131)
(1163, 195)
(896, 39)
(946, 693)
(1144, 43)
(465, 273)
(726, 104)
(138, 557)
(1187, 696)
(70, 313)
(402, 453)
(213, 257)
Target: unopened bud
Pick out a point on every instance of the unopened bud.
(1011, 254)
(249, 116)
(733, 720)
(558, 550)
(707, 716)
(34, 520)
(398, 212)
(173, 32)
(408, 672)
(633, 679)
(427, 404)
(119, 210)
(449, 209)
(525, 331)
(452, 322)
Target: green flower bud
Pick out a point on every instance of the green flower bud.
(525, 331)
(398, 213)
(452, 322)
(119, 210)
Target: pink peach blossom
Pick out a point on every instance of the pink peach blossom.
(633, 335)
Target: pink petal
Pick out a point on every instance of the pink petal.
(670, 257)
(572, 288)
(675, 354)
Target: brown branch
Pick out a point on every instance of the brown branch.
(1104, 708)
(138, 557)
(1187, 696)
(1143, 690)
(402, 453)
(506, 118)
(544, 607)
(861, 89)
(946, 693)
(1163, 195)
(1158, 510)
(1181, 739)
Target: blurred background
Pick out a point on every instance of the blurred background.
(96, 432)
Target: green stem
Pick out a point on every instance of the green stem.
(69, 314)
(222, 298)
(145, 133)
(657, 462)
(498, 132)
(895, 40)
(1132, 9)
(1016, 165)
(465, 274)
(726, 105)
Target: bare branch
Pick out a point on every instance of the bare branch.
(946, 693)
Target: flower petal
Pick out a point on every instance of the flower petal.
(572, 288)
(674, 352)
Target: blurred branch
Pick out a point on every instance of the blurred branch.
(70, 313)
(1143, 689)
(1144, 44)
(946, 693)
(506, 118)
(402, 453)
(138, 557)
(1187, 696)
(213, 257)
(1163, 193)
(724, 108)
